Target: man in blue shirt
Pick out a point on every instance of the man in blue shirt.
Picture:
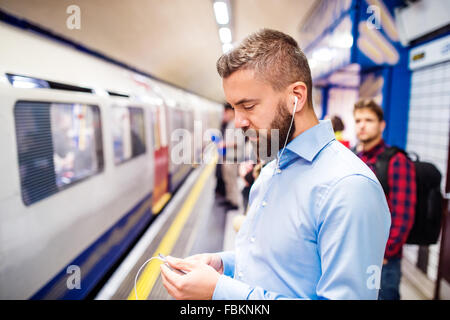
(318, 221)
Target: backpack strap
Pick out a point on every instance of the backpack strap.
(382, 165)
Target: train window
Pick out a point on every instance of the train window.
(58, 144)
(76, 143)
(128, 133)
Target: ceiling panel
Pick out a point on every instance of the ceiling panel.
(175, 40)
(284, 15)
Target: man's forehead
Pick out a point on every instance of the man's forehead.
(242, 86)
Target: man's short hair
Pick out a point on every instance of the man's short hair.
(337, 123)
(274, 56)
(370, 105)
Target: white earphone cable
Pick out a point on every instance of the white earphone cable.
(137, 274)
(287, 136)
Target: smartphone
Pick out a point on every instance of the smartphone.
(164, 259)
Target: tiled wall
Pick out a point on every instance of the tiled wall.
(428, 132)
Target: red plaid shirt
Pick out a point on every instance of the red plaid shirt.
(401, 197)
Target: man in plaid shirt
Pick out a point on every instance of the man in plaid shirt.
(401, 197)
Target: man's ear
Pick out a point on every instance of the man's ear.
(383, 126)
(299, 90)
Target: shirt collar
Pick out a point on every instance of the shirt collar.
(309, 143)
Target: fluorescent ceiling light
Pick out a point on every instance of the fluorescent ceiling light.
(343, 41)
(347, 40)
(323, 54)
(226, 47)
(225, 35)
(221, 12)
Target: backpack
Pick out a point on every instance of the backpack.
(429, 205)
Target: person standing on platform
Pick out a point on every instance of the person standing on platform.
(338, 127)
(401, 197)
(220, 186)
(318, 220)
(233, 150)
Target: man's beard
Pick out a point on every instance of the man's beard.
(279, 126)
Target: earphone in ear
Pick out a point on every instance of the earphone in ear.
(295, 105)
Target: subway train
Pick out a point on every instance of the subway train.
(85, 162)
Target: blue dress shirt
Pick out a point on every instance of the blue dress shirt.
(316, 227)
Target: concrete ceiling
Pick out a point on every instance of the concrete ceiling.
(174, 40)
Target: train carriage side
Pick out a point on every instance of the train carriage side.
(86, 156)
(66, 203)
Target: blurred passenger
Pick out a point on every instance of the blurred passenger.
(401, 197)
(220, 185)
(246, 170)
(338, 127)
(233, 150)
(318, 220)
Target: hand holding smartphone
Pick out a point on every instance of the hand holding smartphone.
(164, 259)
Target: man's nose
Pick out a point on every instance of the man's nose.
(240, 121)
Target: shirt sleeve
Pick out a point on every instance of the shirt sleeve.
(232, 289)
(352, 231)
(402, 202)
(228, 258)
(228, 288)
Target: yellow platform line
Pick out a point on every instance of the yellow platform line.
(161, 203)
(151, 272)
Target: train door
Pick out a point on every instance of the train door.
(175, 172)
(161, 184)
